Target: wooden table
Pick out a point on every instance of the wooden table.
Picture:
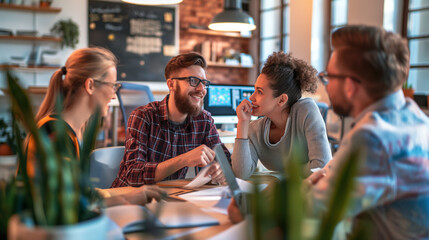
(175, 186)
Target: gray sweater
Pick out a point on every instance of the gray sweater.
(305, 126)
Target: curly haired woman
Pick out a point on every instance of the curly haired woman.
(289, 120)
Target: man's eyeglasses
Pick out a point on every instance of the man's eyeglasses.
(324, 77)
(194, 81)
(115, 86)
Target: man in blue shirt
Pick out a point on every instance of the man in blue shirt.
(364, 78)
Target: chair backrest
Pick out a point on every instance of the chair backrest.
(136, 95)
(105, 165)
(323, 108)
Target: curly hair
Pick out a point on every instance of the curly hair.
(289, 75)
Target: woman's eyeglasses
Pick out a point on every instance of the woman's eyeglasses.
(115, 86)
(194, 81)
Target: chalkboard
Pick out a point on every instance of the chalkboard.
(144, 38)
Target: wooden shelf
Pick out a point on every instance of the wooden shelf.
(32, 38)
(29, 68)
(29, 8)
(214, 64)
(214, 33)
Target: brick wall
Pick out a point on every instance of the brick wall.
(200, 13)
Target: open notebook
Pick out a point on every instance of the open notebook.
(132, 218)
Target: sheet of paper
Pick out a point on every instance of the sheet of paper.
(180, 214)
(217, 199)
(239, 231)
(200, 179)
(129, 218)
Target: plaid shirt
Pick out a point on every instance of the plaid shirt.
(152, 138)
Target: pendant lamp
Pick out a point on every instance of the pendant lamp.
(232, 19)
(153, 2)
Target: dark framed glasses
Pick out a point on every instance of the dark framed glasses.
(115, 86)
(324, 77)
(194, 81)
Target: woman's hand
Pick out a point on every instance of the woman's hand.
(244, 111)
(136, 196)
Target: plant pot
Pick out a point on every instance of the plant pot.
(5, 149)
(94, 229)
(409, 92)
(45, 4)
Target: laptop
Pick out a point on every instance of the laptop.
(239, 196)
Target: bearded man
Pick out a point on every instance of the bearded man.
(167, 138)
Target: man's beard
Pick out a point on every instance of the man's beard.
(184, 104)
(344, 108)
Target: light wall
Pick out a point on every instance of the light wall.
(368, 12)
(300, 29)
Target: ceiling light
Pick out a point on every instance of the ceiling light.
(232, 19)
(153, 2)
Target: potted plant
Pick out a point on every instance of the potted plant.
(57, 201)
(284, 214)
(408, 90)
(6, 139)
(68, 31)
(45, 3)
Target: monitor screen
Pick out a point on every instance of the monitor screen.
(222, 101)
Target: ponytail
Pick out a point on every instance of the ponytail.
(55, 88)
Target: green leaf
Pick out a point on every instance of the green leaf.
(340, 196)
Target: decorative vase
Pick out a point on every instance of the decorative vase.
(94, 229)
(409, 92)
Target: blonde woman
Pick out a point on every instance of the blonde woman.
(87, 80)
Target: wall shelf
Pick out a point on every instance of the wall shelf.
(7, 6)
(31, 38)
(213, 33)
(215, 64)
(29, 68)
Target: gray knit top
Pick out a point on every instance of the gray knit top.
(305, 127)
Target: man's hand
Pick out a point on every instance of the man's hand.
(216, 174)
(234, 213)
(200, 156)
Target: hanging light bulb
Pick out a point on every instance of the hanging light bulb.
(153, 2)
(232, 19)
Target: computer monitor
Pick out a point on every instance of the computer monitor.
(222, 101)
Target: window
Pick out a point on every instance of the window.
(416, 30)
(338, 14)
(274, 34)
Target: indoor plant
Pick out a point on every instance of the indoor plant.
(58, 199)
(6, 139)
(286, 214)
(408, 90)
(45, 3)
(68, 31)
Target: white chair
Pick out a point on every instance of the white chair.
(105, 165)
